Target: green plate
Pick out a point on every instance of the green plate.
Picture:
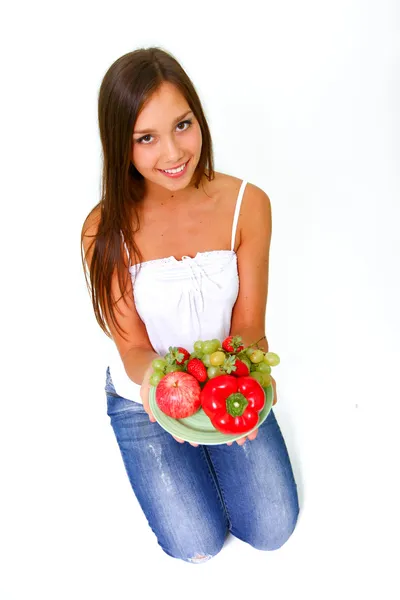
(198, 428)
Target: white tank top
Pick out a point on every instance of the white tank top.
(181, 301)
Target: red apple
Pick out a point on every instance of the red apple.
(178, 395)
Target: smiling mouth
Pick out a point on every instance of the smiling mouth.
(175, 169)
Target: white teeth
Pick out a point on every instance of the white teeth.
(174, 170)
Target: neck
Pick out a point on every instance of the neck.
(156, 195)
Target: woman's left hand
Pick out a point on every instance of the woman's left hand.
(253, 434)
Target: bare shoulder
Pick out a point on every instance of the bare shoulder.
(255, 202)
(92, 221)
(89, 230)
(258, 201)
(225, 185)
(229, 186)
(255, 217)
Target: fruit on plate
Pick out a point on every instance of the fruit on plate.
(242, 367)
(272, 359)
(257, 356)
(217, 358)
(232, 344)
(233, 403)
(178, 395)
(177, 355)
(196, 368)
(211, 359)
(237, 365)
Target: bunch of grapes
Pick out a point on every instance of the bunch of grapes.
(210, 358)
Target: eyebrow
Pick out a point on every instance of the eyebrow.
(176, 121)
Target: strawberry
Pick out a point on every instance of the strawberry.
(228, 366)
(185, 353)
(242, 368)
(196, 368)
(233, 344)
(178, 355)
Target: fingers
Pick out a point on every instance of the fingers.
(151, 416)
(183, 441)
(253, 434)
(149, 413)
(242, 440)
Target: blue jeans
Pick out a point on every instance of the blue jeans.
(193, 497)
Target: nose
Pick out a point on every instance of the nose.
(170, 152)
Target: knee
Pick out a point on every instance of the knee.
(274, 534)
(203, 553)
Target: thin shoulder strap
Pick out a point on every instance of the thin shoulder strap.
(237, 210)
(126, 248)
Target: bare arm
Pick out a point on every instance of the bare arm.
(136, 361)
(136, 352)
(248, 316)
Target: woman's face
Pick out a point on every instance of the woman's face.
(166, 135)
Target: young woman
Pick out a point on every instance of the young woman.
(176, 252)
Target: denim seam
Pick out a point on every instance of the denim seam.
(215, 481)
(213, 466)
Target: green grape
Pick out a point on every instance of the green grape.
(209, 347)
(155, 379)
(174, 368)
(249, 351)
(206, 360)
(271, 359)
(217, 343)
(217, 358)
(266, 379)
(159, 363)
(263, 367)
(213, 372)
(198, 346)
(257, 356)
(158, 372)
(258, 376)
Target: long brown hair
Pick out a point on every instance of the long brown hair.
(126, 86)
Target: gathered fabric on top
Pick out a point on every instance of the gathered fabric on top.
(181, 301)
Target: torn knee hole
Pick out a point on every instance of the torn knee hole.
(200, 558)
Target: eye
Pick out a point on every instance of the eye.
(145, 138)
(187, 122)
(142, 140)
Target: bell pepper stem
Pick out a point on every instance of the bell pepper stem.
(236, 404)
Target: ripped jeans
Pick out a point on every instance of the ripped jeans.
(193, 497)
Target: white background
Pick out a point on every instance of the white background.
(302, 100)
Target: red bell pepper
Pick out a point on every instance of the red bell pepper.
(232, 403)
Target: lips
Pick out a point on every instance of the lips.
(178, 174)
(177, 167)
